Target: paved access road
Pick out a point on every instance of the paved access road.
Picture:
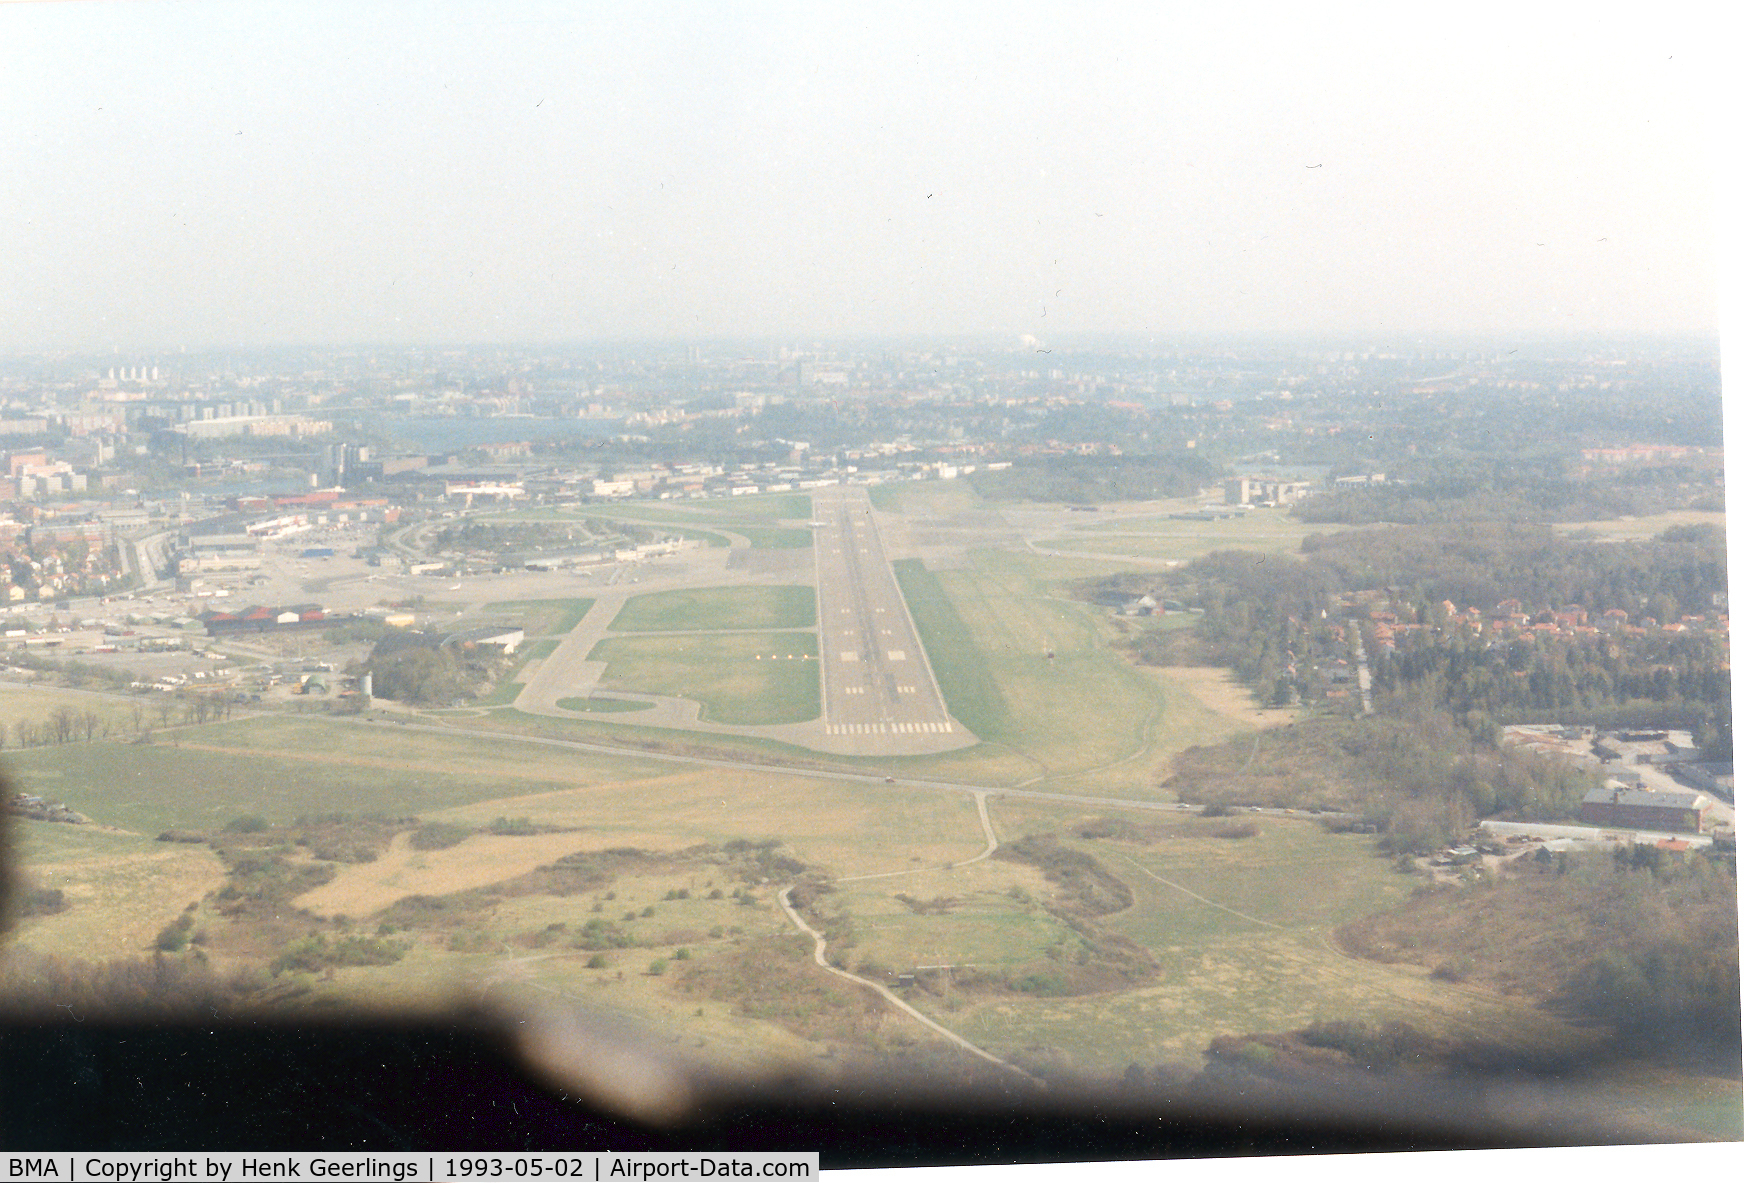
(876, 678)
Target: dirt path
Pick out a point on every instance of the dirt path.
(980, 796)
(817, 954)
(1202, 899)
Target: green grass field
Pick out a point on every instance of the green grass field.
(988, 629)
(120, 889)
(37, 705)
(605, 706)
(719, 608)
(1270, 968)
(756, 507)
(745, 678)
(542, 618)
(1271, 531)
(775, 537)
(284, 767)
(926, 498)
(971, 692)
(1636, 529)
(722, 512)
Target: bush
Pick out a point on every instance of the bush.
(438, 836)
(657, 967)
(597, 961)
(173, 937)
(251, 823)
(603, 934)
(315, 952)
(43, 901)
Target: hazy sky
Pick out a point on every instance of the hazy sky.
(194, 174)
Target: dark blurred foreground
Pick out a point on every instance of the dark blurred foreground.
(553, 1081)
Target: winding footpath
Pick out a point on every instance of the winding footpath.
(817, 954)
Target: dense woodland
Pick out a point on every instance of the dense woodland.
(1556, 488)
(1409, 771)
(416, 668)
(1281, 622)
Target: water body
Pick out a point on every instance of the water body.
(456, 433)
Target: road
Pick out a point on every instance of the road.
(877, 682)
(1174, 807)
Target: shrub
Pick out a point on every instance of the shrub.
(597, 961)
(43, 901)
(251, 823)
(657, 967)
(438, 836)
(173, 937)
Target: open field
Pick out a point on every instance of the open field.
(1635, 529)
(722, 513)
(541, 618)
(362, 889)
(718, 608)
(120, 888)
(1165, 538)
(37, 705)
(990, 628)
(281, 768)
(984, 925)
(776, 537)
(747, 678)
(765, 508)
(927, 498)
(1264, 964)
(846, 829)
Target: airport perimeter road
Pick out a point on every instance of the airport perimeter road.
(876, 678)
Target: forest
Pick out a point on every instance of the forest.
(1432, 488)
(1286, 624)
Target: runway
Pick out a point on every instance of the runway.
(876, 677)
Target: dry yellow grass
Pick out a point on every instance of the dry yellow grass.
(844, 829)
(848, 829)
(121, 890)
(1634, 529)
(1220, 692)
(361, 889)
